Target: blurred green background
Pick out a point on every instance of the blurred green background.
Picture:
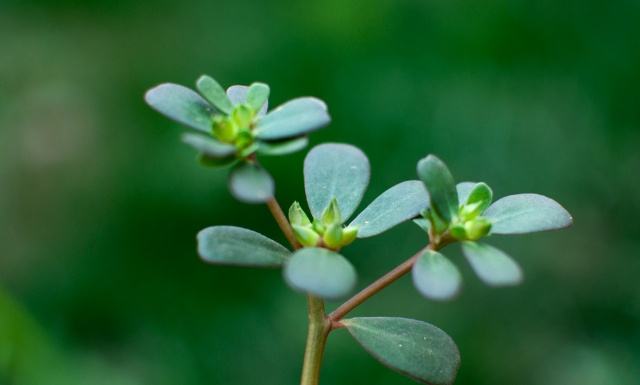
(100, 203)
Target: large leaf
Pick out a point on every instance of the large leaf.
(526, 213)
(294, 118)
(214, 93)
(208, 146)
(181, 104)
(229, 245)
(435, 276)
(441, 186)
(238, 95)
(320, 272)
(413, 348)
(398, 204)
(283, 148)
(338, 171)
(251, 183)
(492, 265)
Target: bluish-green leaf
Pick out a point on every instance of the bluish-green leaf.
(436, 277)
(440, 185)
(526, 213)
(294, 118)
(335, 170)
(492, 265)
(208, 146)
(229, 245)
(181, 104)
(283, 148)
(481, 195)
(257, 95)
(251, 183)
(320, 272)
(413, 348)
(464, 189)
(238, 95)
(396, 205)
(214, 93)
(423, 223)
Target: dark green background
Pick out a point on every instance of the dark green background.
(100, 203)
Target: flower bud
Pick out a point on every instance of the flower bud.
(297, 215)
(333, 236)
(349, 235)
(242, 116)
(458, 231)
(331, 214)
(477, 228)
(224, 130)
(305, 235)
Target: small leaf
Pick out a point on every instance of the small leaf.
(283, 148)
(464, 189)
(493, 266)
(320, 272)
(396, 205)
(251, 183)
(181, 104)
(305, 235)
(238, 95)
(214, 93)
(208, 146)
(526, 213)
(334, 170)
(257, 95)
(435, 276)
(229, 245)
(481, 194)
(294, 118)
(413, 348)
(297, 216)
(440, 185)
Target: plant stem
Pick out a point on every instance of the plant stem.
(319, 325)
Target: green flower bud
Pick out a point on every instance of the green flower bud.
(477, 228)
(242, 116)
(439, 225)
(470, 210)
(349, 235)
(458, 231)
(333, 236)
(331, 214)
(305, 235)
(482, 195)
(297, 215)
(318, 227)
(224, 129)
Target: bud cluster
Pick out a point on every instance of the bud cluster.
(327, 231)
(236, 128)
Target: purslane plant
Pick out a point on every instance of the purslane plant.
(237, 129)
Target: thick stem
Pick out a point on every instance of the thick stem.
(319, 327)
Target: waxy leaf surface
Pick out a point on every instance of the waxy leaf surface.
(294, 118)
(251, 183)
(208, 146)
(214, 93)
(441, 186)
(526, 213)
(493, 266)
(181, 104)
(435, 276)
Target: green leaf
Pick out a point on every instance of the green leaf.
(435, 276)
(464, 189)
(331, 214)
(320, 272)
(481, 195)
(208, 146)
(396, 205)
(413, 348)
(257, 95)
(238, 95)
(181, 104)
(423, 223)
(251, 183)
(283, 148)
(440, 185)
(335, 170)
(526, 213)
(294, 118)
(493, 266)
(229, 245)
(214, 93)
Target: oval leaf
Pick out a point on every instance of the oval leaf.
(181, 104)
(526, 213)
(257, 95)
(481, 194)
(238, 95)
(230, 245)
(441, 186)
(493, 266)
(435, 276)
(396, 205)
(335, 170)
(294, 118)
(208, 146)
(320, 272)
(413, 348)
(283, 148)
(214, 93)
(251, 183)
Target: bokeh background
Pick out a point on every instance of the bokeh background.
(100, 202)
